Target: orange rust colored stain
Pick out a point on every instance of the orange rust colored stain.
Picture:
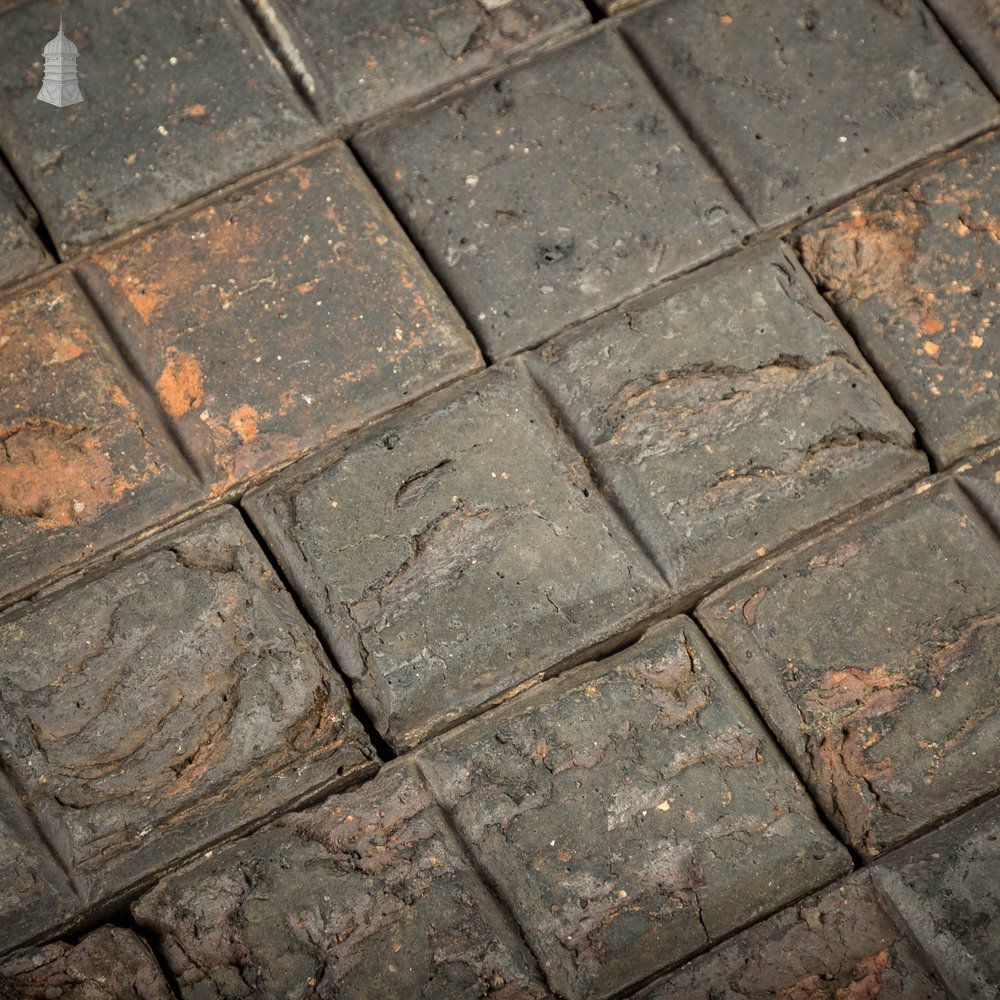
(750, 607)
(65, 348)
(726, 19)
(180, 386)
(304, 182)
(145, 297)
(243, 421)
(931, 349)
(117, 396)
(932, 325)
(195, 111)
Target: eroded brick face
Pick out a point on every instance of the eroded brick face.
(874, 655)
(20, 251)
(981, 478)
(975, 26)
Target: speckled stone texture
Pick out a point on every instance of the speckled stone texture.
(913, 272)
(109, 964)
(171, 701)
(167, 88)
(801, 103)
(873, 655)
(975, 26)
(368, 895)
(842, 944)
(453, 555)
(20, 251)
(81, 465)
(505, 190)
(946, 887)
(631, 812)
(981, 478)
(356, 60)
(280, 317)
(729, 412)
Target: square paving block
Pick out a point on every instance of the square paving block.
(177, 99)
(975, 26)
(359, 59)
(109, 964)
(280, 316)
(946, 888)
(368, 895)
(81, 465)
(802, 103)
(842, 944)
(154, 709)
(20, 251)
(912, 271)
(874, 656)
(552, 192)
(631, 812)
(729, 412)
(981, 478)
(452, 555)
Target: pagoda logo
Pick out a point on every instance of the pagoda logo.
(59, 85)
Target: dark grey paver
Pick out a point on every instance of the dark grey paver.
(81, 468)
(873, 654)
(455, 553)
(946, 888)
(167, 703)
(360, 59)
(20, 251)
(800, 104)
(178, 99)
(109, 964)
(552, 192)
(975, 26)
(729, 412)
(281, 316)
(982, 479)
(631, 812)
(841, 944)
(912, 271)
(368, 895)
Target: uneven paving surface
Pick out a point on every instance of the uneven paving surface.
(345, 654)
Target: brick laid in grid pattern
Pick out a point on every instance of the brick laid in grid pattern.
(729, 412)
(281, 316)
(552, 192)
(167, 703)
(873, 654)
(800, 103)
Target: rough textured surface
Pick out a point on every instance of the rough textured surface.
(165, 87)
(109, 964)
(839, 945)
(729, 412)
(913, 272)
(153, 709)
(456, 554)
(359, 59)
(20, 251)
(874, 656)
(505, 190)
(975, 26)
(367, 895)
(767, 91)
(281, 316)
(946, 887)
(631, 812)
(79, 467)
(982, 479)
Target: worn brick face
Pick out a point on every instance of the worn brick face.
(975, 26)
(20, 251)
(981, 478)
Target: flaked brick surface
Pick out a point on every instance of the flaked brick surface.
(913, 272)
(552, 192)
(455, 553)
(801, 104)
(80, 466)
(631, 812)
(873, 654)
(168, 702)
(281, 316)
(729, 412)
(367, 895)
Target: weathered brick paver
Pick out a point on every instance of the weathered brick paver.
(842, 944)
(281, 316)
(506, 189)
(368, 895)
(167, 88)
(729, 412)
(168, 702)
(946, 888)
(81, 468)
(802, 103)
(360, 59)
(913, 271)
(20, 251)
(873, 654)
(975, 26)
(981, 479)
(631, 812)
(449, 556)
(109, 964)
